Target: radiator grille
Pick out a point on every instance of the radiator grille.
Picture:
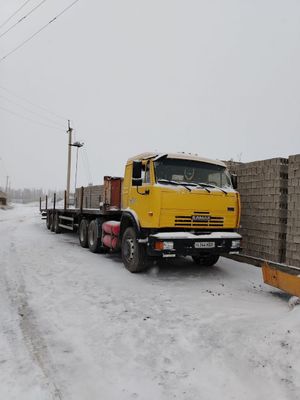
(199, 219)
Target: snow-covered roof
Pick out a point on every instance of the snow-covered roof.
(2, 194)
(181, 156)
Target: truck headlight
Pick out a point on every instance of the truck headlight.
(235, 244)
(165, 245)
(168, 245)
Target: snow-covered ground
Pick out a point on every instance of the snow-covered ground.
(76, 325)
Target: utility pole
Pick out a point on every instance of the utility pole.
(6, 187)
(8, 192)
(69, 131)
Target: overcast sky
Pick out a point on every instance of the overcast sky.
(218, 78)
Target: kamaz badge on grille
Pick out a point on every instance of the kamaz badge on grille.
(200, 218)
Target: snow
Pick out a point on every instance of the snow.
(77, 325)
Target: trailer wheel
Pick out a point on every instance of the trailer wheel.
(207, 260)
(133, 253)
(56, 227)
(83, 233)
(51, 222)
(48, 220)
(94, 238)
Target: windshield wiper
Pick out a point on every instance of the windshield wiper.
(166, 181)
(203, 186)
(212, 186)
(194, 184)
(185, 184)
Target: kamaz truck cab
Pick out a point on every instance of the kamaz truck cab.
(178, 205)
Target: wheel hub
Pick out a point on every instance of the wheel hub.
(129, 249)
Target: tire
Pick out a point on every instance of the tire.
(51, 222)
(56, 227)
(48, 220)
(206, 260)
(94, 238)
(134, 254)
(83, 233)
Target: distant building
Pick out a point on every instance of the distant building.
(3, 199)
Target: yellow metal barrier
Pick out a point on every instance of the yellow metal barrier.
(282, 277)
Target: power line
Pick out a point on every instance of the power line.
(20, 8)
(22, 19)
(33, 104)
(84, 156)
(85, 163)
(32, 112)
(38, 31)
(29, 119)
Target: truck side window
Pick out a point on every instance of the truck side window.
(146, 173)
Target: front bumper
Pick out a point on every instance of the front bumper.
(172, 244)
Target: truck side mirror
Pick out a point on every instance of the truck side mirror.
(137, 173)
(234, 181)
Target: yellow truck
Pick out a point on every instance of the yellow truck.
(167, 205)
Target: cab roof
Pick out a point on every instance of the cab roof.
(181, 156)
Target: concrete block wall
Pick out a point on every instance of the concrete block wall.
(92, 196)
(293, 223)
(263, 186)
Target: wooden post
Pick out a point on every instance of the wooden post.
(46, 202)
(81, 198)
(65, 200)
(54, 201)
(40, 204)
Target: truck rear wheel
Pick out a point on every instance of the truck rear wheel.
(56, 227)
(51, 222)
(83, 233)
(48, 220)
(94, 238)
(133, 253)
(206, 260)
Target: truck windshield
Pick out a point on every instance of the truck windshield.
(191, 172)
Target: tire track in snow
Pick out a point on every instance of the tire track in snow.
(17, 294)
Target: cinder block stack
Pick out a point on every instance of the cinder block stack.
(92, 195)
(263, 187)
(293, 225)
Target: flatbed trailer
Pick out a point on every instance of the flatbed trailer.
(78, 219)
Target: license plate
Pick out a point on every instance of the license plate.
(204, 245)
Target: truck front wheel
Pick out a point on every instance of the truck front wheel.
(133, 253)
(206, 260)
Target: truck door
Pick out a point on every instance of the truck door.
(140, 199)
